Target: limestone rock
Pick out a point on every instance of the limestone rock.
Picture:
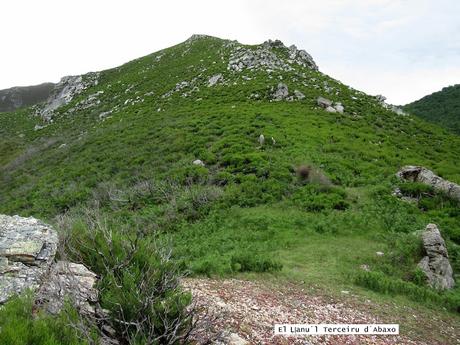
(299, 94)
(436, 264)
(281, 92)
(261, 140)
(214, 79)
(27, 251)
(323, 102)
(71, 280)
(423, 175)
(64, 91)
(339, 107)
(198, 162)
(330, 109)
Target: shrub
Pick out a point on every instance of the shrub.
(245, 262)
(379, 282)
(139, 281)
(316, 198)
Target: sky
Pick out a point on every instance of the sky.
(402, 49)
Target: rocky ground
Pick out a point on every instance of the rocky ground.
(244, 312)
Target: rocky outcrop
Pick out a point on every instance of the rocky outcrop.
(214, 79)
(436, 264)
(381, 99)
(281, 92)
(420, 174)
(27, 261)
(64, 91)
(265, 58)
(329, 106)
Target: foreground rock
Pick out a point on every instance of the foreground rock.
(423, 175)
(27, 252)
(436, 264)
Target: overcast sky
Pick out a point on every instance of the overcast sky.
(401, 49)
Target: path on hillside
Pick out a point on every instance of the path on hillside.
(248, 311)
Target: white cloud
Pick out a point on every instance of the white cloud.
(403, 49)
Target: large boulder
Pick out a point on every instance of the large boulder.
(27, 261)
(423, 175)
(281, 92)
(436, 264)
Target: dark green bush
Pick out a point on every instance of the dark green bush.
(139, 282)
(316, 198)
(245, 262)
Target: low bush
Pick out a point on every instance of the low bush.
(379, 282)
(139, 283)
(316, 198)
(250, 262)
(19, 325)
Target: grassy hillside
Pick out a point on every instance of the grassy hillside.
(442, 108)
(313, 205)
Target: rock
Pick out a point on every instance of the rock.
(380, 98)
(281, 92)
(330, 109)
(365, 267)
(38, 127)
(436, 264)
(233, 339)
(299, 94)
(261, 140)
(339, 107)
(323, 102)
(379, 253)
(198, 162)
(214, 79)
(72, 280)
(302, 58)
(27, 251)
(420, 174)
(64, 91)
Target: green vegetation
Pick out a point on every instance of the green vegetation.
(20, 326)
(442, 108)
(313, 207)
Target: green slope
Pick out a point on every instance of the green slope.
(124, 149)
(442, 108)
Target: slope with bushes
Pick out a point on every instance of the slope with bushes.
(442, 108)
(312, 203)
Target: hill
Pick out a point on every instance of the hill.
(24, 96)
(442, 108)
(249, 161)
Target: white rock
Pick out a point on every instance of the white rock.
(214, 79)
(261, 140)
(198, 162)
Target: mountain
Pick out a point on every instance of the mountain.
(251, 163)
(24, 96)
(442, 108)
